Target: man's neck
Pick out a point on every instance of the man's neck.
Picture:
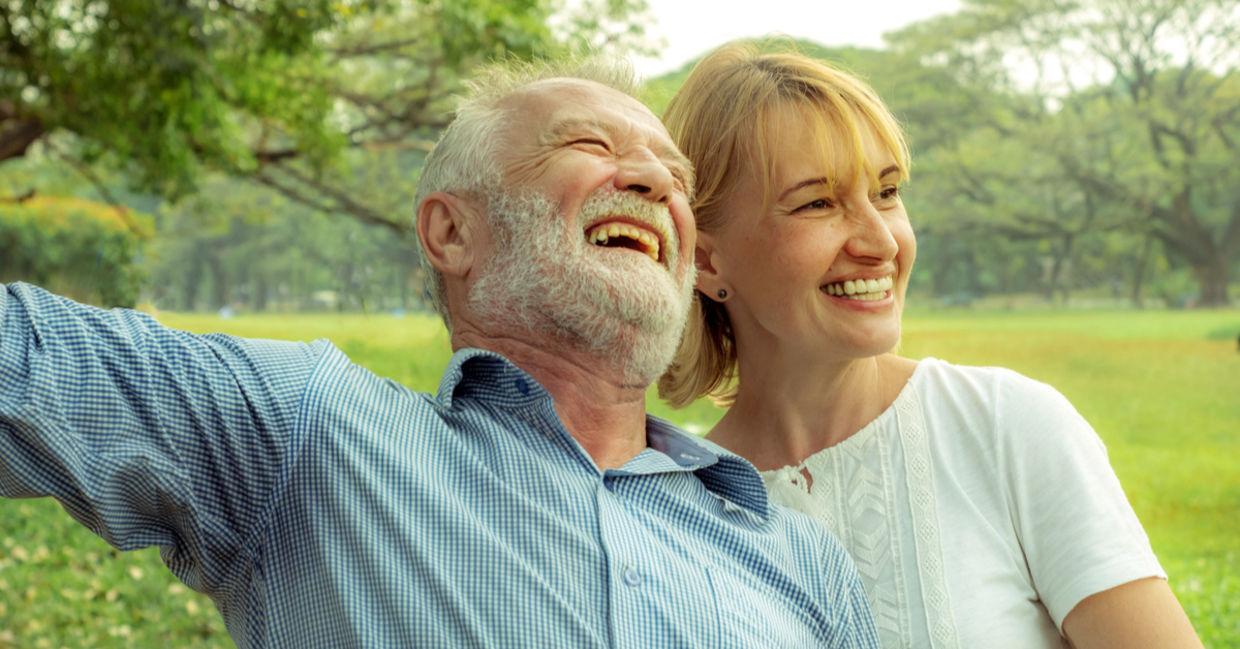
(598, 406)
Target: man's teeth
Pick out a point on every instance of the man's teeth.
(648, 241)
(860, 289)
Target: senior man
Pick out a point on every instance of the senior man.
(530, 502)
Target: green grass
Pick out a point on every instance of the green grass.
(1161, 388)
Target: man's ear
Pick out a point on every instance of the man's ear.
(447, 227)
(710, 276)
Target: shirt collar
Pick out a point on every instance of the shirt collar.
(480, 373)
(728, 475)
(488, 375)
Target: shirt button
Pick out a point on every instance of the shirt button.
(631, 577)
(521, 386)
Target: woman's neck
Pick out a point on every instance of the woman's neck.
(785, 412)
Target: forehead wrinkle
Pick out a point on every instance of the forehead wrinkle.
(563, 127)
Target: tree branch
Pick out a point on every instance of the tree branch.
(1231, 236)
(371, 49)
(20, 198)
(338, 201)
(16, 136)
(86, 172)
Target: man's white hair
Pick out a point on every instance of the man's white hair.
(466, 158)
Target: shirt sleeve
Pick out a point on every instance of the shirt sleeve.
(852, 623)
(859, 630)
(146, 435)
(1079, 534)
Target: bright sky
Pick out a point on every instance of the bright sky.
(691, 27)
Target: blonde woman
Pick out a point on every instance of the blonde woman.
(979, 506)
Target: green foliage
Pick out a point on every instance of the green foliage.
(610, 26)
(1157, 386)
(277, 91)
(241, 245)
(79, 248)
(329, 105)
(1088, 118)
(168, 87)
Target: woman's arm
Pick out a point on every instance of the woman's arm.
(1141, 613)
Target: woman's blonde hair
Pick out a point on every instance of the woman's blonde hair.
(727, 118)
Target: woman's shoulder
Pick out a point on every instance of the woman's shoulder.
(999, 408)
(984, 385)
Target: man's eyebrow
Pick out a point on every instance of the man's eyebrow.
(563, 127)
(673, 155)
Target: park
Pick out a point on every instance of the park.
(250, 170)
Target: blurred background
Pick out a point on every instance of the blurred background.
(249, 166)
(258, 156)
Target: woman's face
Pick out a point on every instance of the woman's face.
(824, 266)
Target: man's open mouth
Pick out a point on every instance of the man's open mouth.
(612, 234)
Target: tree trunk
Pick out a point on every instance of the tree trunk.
(1194, 244)
(1059, 268)
(190, 283)
(219, 283)
(16, 136)
(1138, 273)
(260, 292)
(1212, 273)
(406, 296)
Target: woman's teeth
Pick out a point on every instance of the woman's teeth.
(859, 289)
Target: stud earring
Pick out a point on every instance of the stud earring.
(723, 294)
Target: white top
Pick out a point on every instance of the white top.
(980, 508)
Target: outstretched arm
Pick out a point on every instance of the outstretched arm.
(146, 435)
(1141, 613)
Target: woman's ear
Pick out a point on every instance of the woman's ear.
(710, 279)
(446, 227)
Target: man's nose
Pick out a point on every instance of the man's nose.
(643, 172)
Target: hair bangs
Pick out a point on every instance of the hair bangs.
(731, 118)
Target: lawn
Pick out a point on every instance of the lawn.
(1162, 388)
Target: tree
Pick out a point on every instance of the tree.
(1133, 101)
(77, 247)
(274, 90)
(243, 245)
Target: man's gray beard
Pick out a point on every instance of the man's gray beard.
(546, 279)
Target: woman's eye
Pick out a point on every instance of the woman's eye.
(888, 194)
(820, 204)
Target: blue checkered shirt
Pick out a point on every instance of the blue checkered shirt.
(319, 505)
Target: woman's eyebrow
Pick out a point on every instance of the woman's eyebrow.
(803, 184)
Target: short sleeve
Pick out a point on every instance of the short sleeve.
(1079, 534)
(146, 435)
